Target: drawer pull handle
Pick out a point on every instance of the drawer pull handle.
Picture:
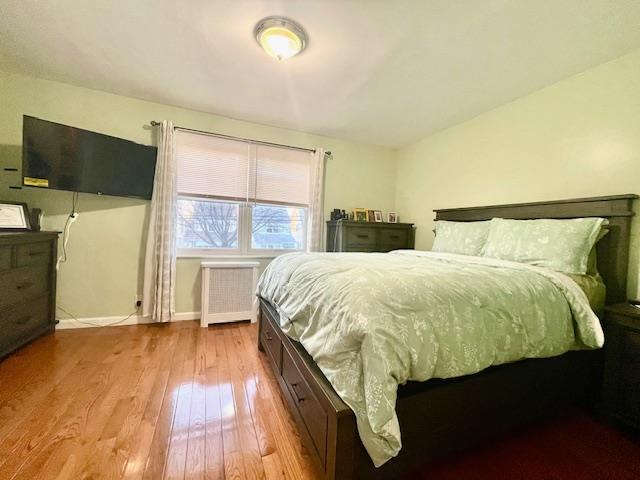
(22, 286)
(33, 254)
(23, 320)
(299, 398)
(394, 237)
(362, 236)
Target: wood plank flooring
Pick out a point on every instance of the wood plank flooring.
(146, 402)
(176, 401)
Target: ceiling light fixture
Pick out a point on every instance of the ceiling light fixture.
(280, 37)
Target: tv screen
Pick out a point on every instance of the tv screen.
(60, 157)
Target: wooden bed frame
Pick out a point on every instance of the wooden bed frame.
(439, 417)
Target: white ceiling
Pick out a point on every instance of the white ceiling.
(382, 72)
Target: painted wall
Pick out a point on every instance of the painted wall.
(103, 274)
(577, 138)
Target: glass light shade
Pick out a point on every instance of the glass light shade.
(280, 42)
(280, 37)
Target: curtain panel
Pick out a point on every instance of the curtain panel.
(315, 224)
(160, 257)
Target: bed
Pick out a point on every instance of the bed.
(435, 416)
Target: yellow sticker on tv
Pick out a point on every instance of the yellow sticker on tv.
(35, 182)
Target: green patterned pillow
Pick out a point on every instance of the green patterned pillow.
(592, 263)
(465, 238)
(562, 245)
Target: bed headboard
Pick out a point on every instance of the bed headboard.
(613, 249)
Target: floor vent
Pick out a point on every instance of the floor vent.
(228, 292)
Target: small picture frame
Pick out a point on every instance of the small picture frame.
(360, 214)
(371, 216)
(14, 216)
(392, 217)
(377, 216)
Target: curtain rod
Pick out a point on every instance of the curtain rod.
(231, 137)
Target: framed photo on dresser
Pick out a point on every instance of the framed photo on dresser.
(360, 214)
(14, 216)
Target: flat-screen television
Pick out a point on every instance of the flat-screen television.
(60, 157)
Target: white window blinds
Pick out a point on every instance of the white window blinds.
(211, 167)
(282, 175)
(227, 169)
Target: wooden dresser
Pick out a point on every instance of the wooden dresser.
(349, 236)
(27, 287)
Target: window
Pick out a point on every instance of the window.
(207, 224)
(278, 227)
(240, 198)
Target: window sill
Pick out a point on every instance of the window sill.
(222, 256)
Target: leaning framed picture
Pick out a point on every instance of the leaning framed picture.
(393, 217)
(14, 216)
(371, 216)
(377, 216)
(360, 214)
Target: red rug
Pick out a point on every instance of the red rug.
(574, 447)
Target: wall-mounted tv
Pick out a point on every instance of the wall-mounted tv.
(60, 157)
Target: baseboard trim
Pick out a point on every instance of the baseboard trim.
(92, 322)
(182, 316)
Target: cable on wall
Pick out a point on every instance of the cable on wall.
(73, 216)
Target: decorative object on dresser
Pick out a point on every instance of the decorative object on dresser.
(371, 216)
(27, 287)
(359, 214)
(337, 214)
(35, 218)
(348, 236)
(621, 382)
(14, 216)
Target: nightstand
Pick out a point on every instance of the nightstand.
(621, 382)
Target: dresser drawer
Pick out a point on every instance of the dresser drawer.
(33, 254)
(22, 284)
(361, 237)
(393, 238)
(362, 248)
(5, 258)
(350, 236)
(312, 413)
(23, 320)
(271, 343)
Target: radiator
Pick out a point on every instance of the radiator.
(228, 292)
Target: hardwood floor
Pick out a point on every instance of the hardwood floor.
(177, 401)
(146, 402)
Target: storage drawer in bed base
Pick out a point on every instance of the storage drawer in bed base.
(323, 419)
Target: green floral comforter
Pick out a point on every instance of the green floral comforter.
(374, 321)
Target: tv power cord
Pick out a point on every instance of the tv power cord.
(65, 238)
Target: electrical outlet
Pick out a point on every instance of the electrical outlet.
(138, 301)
